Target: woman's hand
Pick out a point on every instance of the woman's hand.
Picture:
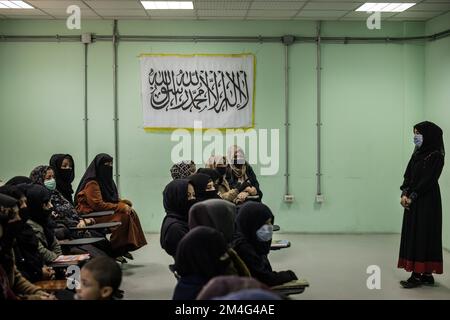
(403, 201)
(127, 202)
(242, 196)
(251, 191)
(48, 273)
(46, 296)
(81, 224)
(127, 209)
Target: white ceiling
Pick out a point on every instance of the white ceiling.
(227, 9)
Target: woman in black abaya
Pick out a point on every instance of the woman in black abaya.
(421, 240)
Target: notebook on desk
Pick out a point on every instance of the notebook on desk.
(69, 259)
(294, 284)
(280, 244)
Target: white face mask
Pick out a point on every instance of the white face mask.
(418, 140)
(265, 233)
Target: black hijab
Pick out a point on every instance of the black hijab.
(63, 177)
(199, 253)
(212, 173)
(432, 138)
(215, 213)
(18, 180)
(6, 202)
(37, 196)
(103, 174)
(15, 192)
(199, 181)
(175, 199)
(251, 217)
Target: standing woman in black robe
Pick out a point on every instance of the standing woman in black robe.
(421, 241)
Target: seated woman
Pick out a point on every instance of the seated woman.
(203, 186)
(219, 164)
(27, 258)
(220, 215)
(252, 243)
(64, 169)
(38, 198)
(12, 284)
(182, 169)
(201, 255)
(223, 285)
(64, 211)
(64, 217)
(178, 197)
(240, 175)
(97, 191)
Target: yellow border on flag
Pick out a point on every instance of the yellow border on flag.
(229, 55)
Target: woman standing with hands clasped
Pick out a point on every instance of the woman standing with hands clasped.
(421, 240)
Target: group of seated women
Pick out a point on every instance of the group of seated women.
(216, 225)
(40, 213)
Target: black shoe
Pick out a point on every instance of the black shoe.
(128, 256)
(412, 282)
(121, 260)
(427, 279)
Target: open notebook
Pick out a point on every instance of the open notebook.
(72, 258)
(280, 244)
(300, 283)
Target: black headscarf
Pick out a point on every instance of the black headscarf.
(37, 196)
(15, 192)
(199, 253)
(212, 173)
(6, 258)
(18, 180)
(63, 177)
(6, 202)
(175, 199)
(215, 213)
(251, 217)
(432, 138)
(199, 181)
(103, 175)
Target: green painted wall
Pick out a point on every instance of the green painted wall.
(372, 94)
(437, 102)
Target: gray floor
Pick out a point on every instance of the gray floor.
(334, 265)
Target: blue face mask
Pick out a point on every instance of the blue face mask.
(418, 140)
(265, 233)
(50, 184)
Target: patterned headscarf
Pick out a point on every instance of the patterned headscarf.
(182, 169)
(38, 174)
(213, 161)
(236, 159)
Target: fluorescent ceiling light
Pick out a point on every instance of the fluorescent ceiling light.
(14, 5)
(385, 7)
(158, 5)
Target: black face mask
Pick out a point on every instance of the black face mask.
(211, 194)
(65, 175)
(47, 213)
(24, 213)
(221, 170)
(106, 171)
(190, 203)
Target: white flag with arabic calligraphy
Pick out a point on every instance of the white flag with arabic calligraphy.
(180, 89)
